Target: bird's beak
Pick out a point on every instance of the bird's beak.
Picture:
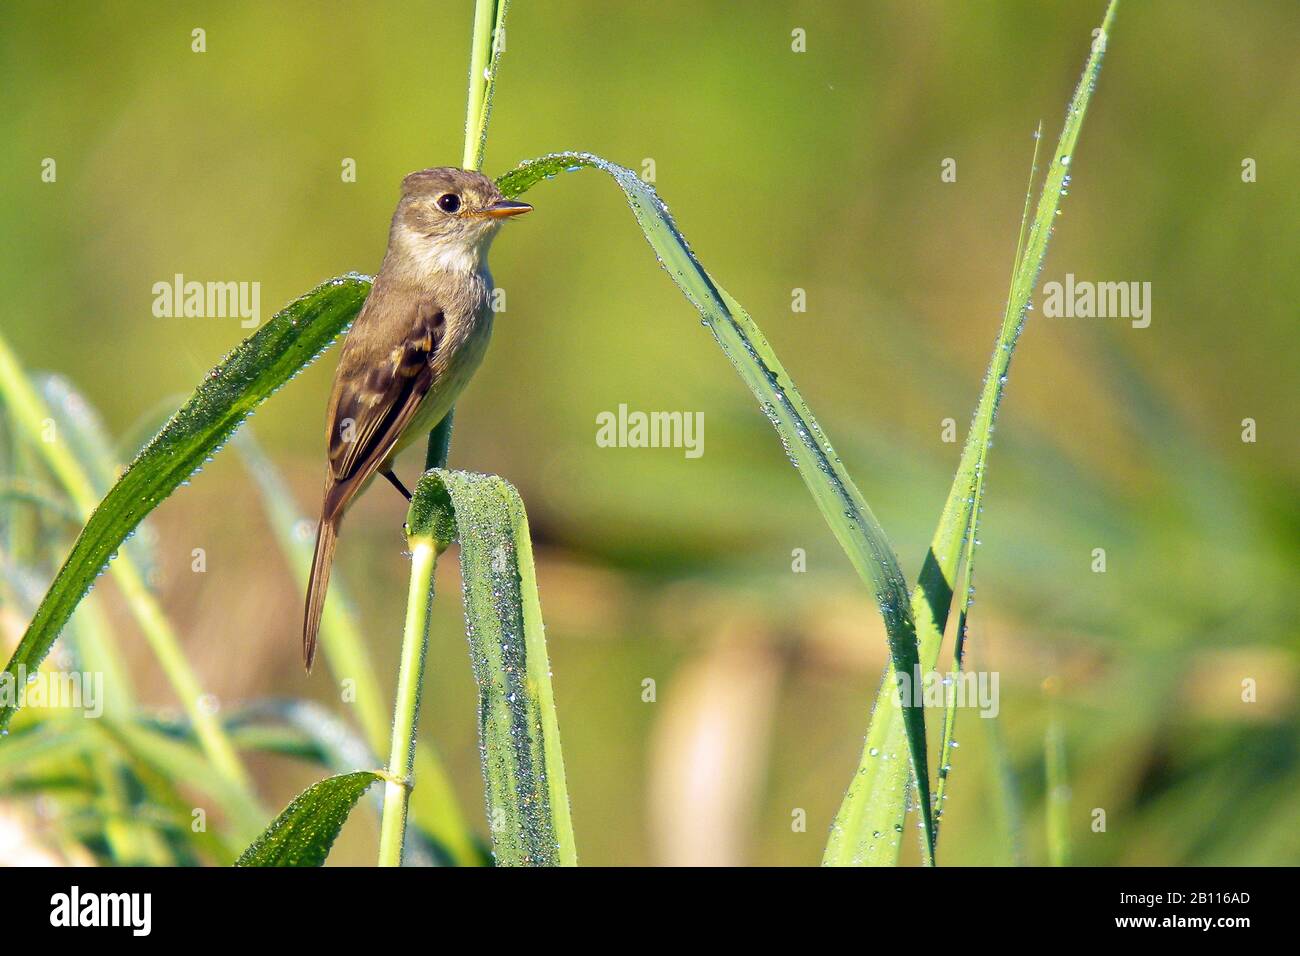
(506, 207)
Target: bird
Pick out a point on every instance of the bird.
(415, 344)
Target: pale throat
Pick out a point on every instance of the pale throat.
(461, 255)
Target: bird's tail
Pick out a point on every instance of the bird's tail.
(327, 535)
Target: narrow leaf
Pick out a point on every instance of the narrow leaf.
(984, 437)
(305, 832)
(519, 734)
(434, 805)
(877, 800)
(230, 393)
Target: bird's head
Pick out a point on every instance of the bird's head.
(446, 219)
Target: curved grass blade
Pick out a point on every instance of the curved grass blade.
(806, 445)
(878, 794)
(434, 805)
(305, 832)
(78, 422)
(523, 767)
(230, 393)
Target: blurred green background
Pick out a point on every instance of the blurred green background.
(818, 171)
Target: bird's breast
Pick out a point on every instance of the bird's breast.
(456, 360)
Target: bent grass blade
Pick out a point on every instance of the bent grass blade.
(434, 805)
(523, 766)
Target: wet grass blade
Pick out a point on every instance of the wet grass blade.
(54, 446)
(980, 439)
(877, 801)
(526, 794)
(305, 832)
(231, 392)
(809, 450)
(434, 805)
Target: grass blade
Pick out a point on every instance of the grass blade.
(527, 797)
(971, 519)
(231, 392)
(1058, 787)
(31, 416)
(305, 832)
(433, 804)
(809, 450)
(880, 799)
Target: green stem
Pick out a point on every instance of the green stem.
(489, 20)
(1058, 785)
(406, 709)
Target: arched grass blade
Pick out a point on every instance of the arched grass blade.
(230, 393)
(305, 832)
(808, 448)
(523, 767)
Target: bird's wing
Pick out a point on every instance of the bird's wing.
(380, 387)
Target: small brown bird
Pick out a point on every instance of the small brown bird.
(417, 341)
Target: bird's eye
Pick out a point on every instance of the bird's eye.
(449, 202)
